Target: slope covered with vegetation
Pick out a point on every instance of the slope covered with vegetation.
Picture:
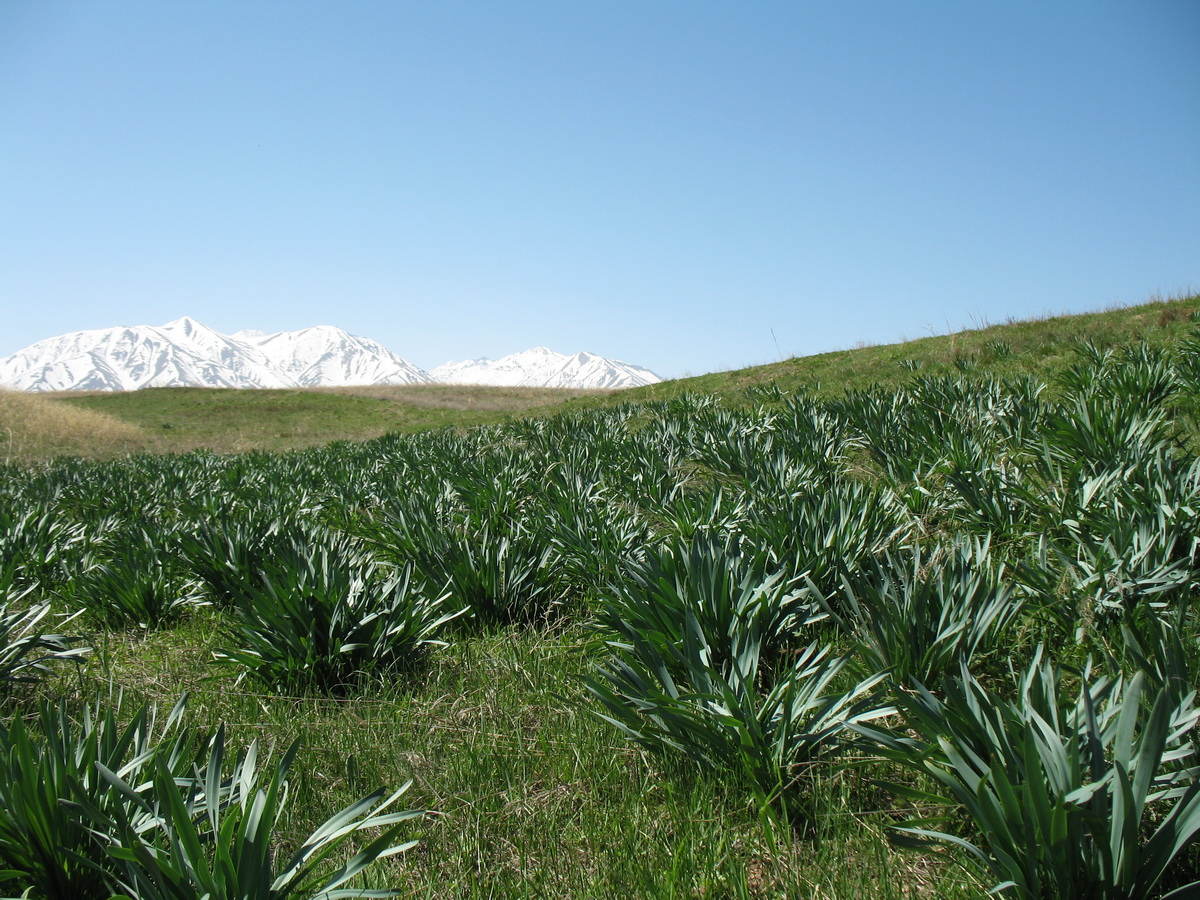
(924, 637)
(1041, 348)
(34, 428)
(177, 420)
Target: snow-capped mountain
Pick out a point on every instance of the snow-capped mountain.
(324, 355)
(542, 367)
(186, 353)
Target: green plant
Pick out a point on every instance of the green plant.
(49, 771)
(768, 737)
(213, 834)
(25, 646)
(136, 582)
(920, 617)
(323, 616)
(36, 543)
(1157, 645)
(829, 532)
(227, 550)
(705, 589)
(999, 349)
(594, 539)
(1060, 789)
(495, 570)
(966, 364)
(699, 667)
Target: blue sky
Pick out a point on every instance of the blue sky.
(682, 185)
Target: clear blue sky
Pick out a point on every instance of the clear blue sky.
(662, 182)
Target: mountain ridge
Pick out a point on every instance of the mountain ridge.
(187, 353)
(543, 367)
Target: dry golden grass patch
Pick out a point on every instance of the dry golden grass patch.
(36, 427)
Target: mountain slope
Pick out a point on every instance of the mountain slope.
(185, 353)
(542, 367)
(1038, 347)
(326, 356)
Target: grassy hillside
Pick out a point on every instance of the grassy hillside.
(174, 420)
(33, 427)
(1038, 347)
(682, 648)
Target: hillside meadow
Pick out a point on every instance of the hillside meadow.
(899, 622)
(104, 424)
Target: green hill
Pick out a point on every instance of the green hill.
(171, 420)
(893, 643)
(1037, 347)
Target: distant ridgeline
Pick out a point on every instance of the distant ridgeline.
(185, 353)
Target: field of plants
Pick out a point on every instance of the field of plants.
(927, 640)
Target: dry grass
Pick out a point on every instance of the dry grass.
(36, 427)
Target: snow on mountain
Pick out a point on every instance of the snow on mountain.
(542, 367)
(324, 355)
(185, 352)
(182, 352)
(597, 371)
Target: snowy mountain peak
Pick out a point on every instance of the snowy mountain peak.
(183, 323)
(186, 352)
(327, 355)
(543, 367)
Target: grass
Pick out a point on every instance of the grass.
(177, 420)
(532, 796)
(1037, 347)
(33, 427)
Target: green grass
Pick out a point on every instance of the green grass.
(531, 795)
(1037, 347)
(175, 420)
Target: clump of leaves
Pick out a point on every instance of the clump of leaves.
(700, 666)
(920, 617)
(49, 770)
(999, 349)
(322, 616)
(1085, 796)
(90, 808)
(26, 646)
(213, 834)
(136, 582)
(492, 565)
(228, 550)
